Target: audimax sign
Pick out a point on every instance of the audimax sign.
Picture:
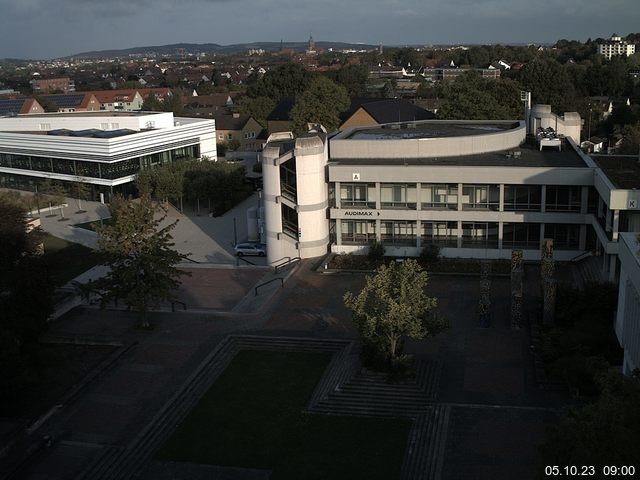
(361, 213)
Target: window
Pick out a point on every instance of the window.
(398, 196)
(480, 234)
(563, 199)
(358, 195)
(522, 197)
(565, 236)
(398, 232)
(521, 235)
(229, 136)
(357, 231)
(288, 181)
(439, 196)
(289, 221)
(221, 136)
(443, 234)
(480, 197)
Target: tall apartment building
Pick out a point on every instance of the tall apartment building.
(48, 85)
(616, 46)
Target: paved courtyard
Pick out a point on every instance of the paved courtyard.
(497, 411)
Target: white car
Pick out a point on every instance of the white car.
(250, 249)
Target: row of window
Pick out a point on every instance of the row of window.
(472, 234)
(445, 196)
(105, 170)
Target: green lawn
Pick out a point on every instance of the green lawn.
(254, 417)
(67, 260)
(94, 224)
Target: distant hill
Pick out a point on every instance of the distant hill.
(193, 48)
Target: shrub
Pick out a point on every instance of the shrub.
(376, 251)
(430, 253)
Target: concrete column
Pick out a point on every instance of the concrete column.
(377, 204)
(607, 220)
(378, 236)
(459, 244)
(419, 232)
(337, 190)
(500, 224)
(418, 197)
(541, 232)
(584, 200)
(612, 268)
(338, 231)
(543, 200)
(459, 199)
(582, 239)
(501, 209)
(616, 225)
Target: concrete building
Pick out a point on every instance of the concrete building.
(627, 325)
(103, 149)
(73, 102)
(50, 85)
(616, 46)
(19, 106)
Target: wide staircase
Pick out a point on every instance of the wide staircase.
(344, 389)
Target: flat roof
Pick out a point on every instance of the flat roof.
(529, 156)
(428, 129)
(95, 113)
(622, 170)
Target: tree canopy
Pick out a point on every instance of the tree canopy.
(285, 81)
(26, 294)
(322, 102)
(393, 304)
(475, 98)
(139, 253)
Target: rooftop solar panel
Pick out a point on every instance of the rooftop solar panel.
(65, 101)
(11, 106)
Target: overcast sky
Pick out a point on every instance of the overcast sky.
(55, 28)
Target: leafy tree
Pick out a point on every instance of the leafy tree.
(287, 80)
(630, 139)
(259, 108)
(404, 57)
(26, 293)
(354, 79)
(603, 432)
(140, 256)
(322, 102)
(151, 103)
(472, 97)
(549, 83)
(393, 304)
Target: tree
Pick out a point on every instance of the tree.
(26, 294)
(549, 83)
(603, 432)
(140, 256)
(288, 80)
(471, 97)
(393, 304)
(322, 102)
(259, 108)
(151, 103)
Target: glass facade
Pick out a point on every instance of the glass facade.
(521, 235)
(439, 196)
(522, 198)
(563, 199)
(485, 197)
(358, 195)
(401, 195)
(357, 231)
(87, 169)
(443, 234)
(398, 232)
(565, 236)
(480, 234)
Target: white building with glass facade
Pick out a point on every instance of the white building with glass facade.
(103, 149)
(476, 189)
